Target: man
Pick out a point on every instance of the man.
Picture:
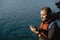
(47, 26)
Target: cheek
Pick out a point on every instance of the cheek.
(44, 16)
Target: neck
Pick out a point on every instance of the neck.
(46, 21)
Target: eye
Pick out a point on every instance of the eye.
(43, 14)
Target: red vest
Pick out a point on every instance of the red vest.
(44, 28)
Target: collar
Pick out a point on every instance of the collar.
(47, 21)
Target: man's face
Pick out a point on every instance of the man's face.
(44, 15)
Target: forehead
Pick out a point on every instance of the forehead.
(43, 12)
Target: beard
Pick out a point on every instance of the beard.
(44, 20)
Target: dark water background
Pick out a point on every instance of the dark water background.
(17, 15)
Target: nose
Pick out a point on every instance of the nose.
(41, 16)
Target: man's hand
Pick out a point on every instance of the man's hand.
(33, 29)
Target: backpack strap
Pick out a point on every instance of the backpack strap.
(50, 25)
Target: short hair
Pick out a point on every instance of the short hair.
(47, 9)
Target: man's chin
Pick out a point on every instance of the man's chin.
(43, 20)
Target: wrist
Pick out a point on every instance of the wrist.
(36, 32)
(39, 35)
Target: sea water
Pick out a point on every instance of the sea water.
(17, 15)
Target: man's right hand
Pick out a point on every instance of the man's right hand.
(34, 29)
